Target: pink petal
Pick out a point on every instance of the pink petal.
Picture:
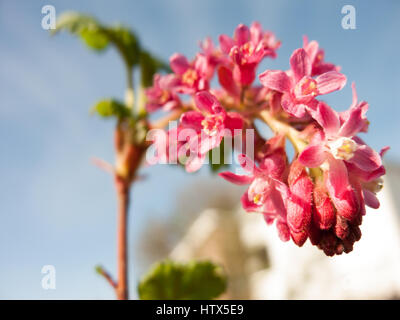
(313, 156)
(383, 151)
(311, 49)
(283, 230)
(353, 124)
(192, 119)
(370, 199)
(235, 178)
(194, 163)
(340, 191)
(226, 80)
(337, 177)
(245, 74)
(276, 80)
(330, 81)
(247, 164)
(226, 43)
(205, 101)
(179, 64)
(207, 143)
(242, 34)
(247, 204)
(233, 120)
(366, 158)
(300, 64)
(327, 118)
(292, 107)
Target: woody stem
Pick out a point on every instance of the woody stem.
(122, 234)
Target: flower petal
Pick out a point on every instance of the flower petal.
(276, 80)
(330, 81)
(242, 34)
(247, 164)
(292, 107)
(366, 158)
(236, 178)
(353, 124)
(194, 163)
(179, 64)
(370, 199)
(233, 120)
(313, 156)
(192, 119)
(226, 80)
(327, 118)
(205, 101)
(300, 64)
(226, 43)
(247, 204)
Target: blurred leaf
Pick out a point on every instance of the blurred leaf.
(174, 281)
(219, 163)
(149, 66)
(98, 37)
(94, 38)
(110, 107)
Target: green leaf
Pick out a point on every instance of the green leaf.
(126, 42)
(170, 280)
(111, 108)
(94, 38)
(97, 36)
(149, 65)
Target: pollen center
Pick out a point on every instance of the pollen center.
(189, 77)
(212, 124)
(343, 148)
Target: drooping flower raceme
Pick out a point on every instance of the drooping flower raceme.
(321, 193)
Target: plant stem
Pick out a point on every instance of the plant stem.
(130, 92)
(280, 127)
(122, 234)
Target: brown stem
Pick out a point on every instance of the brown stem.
(122, 188)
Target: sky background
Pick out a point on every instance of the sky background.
(58, 209)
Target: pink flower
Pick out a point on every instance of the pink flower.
(362, 106)
(298, 87)
(267, 193)
(247, 48)
(162, 93)
(318, 65)
(213, 55)
(335, 148)
(193, 76)
(211, 123)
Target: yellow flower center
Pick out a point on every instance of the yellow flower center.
(343, 148)
(189, 77)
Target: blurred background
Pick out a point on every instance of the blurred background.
(57, 209)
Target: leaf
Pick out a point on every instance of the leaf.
(94, 38)
(149, 65)
(170, 280)
(98, 37)
(110, 107)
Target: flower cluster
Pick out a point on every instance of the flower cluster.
(321, 193)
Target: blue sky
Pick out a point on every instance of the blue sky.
(56, 208)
